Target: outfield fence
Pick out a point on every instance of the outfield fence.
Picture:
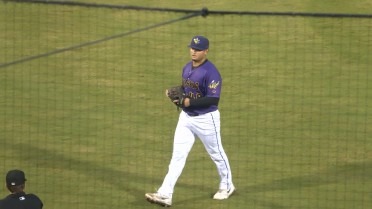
(83, 111)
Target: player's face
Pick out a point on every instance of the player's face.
(198, 55)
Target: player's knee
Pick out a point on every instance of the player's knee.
(216, 156)
(179, 156)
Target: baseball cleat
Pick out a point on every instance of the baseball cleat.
(224, 193)
(159, 199)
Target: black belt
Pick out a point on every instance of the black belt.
(192, 114)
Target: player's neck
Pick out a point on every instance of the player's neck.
(196, 64)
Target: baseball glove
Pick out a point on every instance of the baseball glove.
(177, 95)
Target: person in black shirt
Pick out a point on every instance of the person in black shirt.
(18, 199)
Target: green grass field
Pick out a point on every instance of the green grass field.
(92, 128)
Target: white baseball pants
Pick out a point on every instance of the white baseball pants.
(207, 128)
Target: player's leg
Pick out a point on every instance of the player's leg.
(210, 135)
(183, 142)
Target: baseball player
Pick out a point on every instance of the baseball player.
(201, 82)
(18, 199)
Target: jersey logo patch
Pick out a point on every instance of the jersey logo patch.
(214, 84)
(22, 198)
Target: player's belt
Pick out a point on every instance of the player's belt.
(191, 114)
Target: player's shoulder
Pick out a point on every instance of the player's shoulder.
(4, 202)
(187, 65)
(209, 63)
(5, 199)
(2, 199)
(34, 201)
(32, 196)
(209, 66)
(211, 69)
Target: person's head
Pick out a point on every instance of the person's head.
(15, 181)
(199, 47)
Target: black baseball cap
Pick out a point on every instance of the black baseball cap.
(15, 178)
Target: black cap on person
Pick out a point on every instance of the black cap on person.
(15, 178)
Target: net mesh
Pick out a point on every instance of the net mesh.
(83, 111)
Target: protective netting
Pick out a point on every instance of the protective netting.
(83, 111)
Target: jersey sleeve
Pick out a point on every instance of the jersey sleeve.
(213, 83)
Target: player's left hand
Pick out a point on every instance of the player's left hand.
(177, 95)
(184, 102)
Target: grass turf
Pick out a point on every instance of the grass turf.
(92, 129)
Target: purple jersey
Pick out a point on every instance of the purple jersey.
(202, 81)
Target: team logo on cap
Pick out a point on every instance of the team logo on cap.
(196, 40)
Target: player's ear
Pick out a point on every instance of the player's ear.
(8, 187)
